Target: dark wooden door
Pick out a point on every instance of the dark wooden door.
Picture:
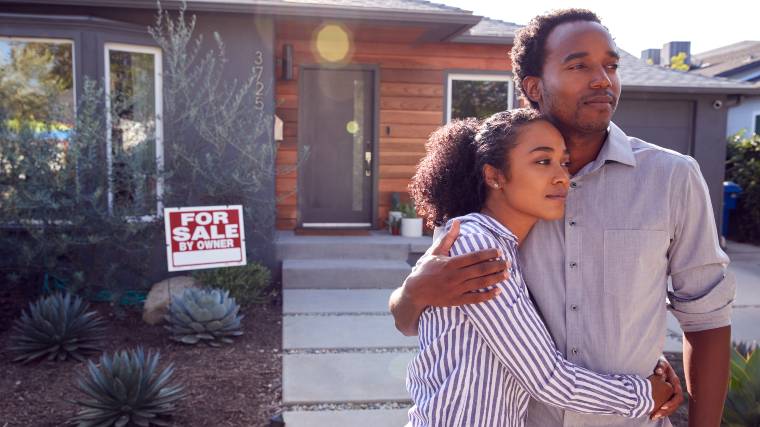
(336, 131)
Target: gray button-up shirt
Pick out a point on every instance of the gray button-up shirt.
(635, 216)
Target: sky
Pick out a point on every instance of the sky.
(642, 24)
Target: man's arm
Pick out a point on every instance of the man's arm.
(443, 281)
(702, 297)
(706, 356)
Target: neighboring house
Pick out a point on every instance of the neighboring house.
(739, 61)
(360, 84)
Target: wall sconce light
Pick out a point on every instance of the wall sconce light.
(287, 62)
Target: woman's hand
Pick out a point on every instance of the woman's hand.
(666, 373)
(661, 392)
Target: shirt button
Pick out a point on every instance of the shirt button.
(573, 184)
(574, 307)
(573, 264)
(572, 222)
(574, 351)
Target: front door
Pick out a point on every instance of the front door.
(336, 131)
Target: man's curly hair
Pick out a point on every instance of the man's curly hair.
(449, 181)
(529, 51)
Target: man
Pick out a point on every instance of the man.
(636, 214)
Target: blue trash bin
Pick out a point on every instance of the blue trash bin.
(731, 193)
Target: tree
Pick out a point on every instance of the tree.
(678, 62)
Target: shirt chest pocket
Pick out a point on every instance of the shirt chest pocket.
(635, 264)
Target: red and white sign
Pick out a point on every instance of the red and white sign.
(204, 237)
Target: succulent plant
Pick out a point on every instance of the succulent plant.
(742, 406)
(127, 389)
(59, 327)
(204, 315)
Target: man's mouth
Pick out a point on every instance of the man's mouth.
(557, 196)
(602, 100)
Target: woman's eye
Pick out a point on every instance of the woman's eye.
(566, 164)
(544, 162)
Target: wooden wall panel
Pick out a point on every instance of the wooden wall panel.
(411, 98)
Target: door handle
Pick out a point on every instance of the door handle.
(367, 163)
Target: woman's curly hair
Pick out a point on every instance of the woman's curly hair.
(529, 51)
(449, 181)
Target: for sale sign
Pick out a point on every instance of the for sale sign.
(204, 237)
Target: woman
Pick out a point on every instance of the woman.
(479, 364)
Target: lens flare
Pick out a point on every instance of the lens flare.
(332, 43)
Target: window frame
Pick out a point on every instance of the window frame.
(475, 75)
(755, 124)
(158, 88)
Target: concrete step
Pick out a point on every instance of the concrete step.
(335, 300)
(347, 418)
(343, 273)
(345, 377)
(320, 247)
(342, 332)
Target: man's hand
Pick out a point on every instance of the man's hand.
(443, 281)
(666, 373)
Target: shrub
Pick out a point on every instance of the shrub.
(248, 284)
(127, 389)
(58, 327)
(742, 407)
(743, 167)
(204, 315)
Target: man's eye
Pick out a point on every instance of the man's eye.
(577, 66)
(613, 66)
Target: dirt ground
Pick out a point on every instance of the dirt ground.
(236, 385)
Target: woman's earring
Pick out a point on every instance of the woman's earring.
(496, 186)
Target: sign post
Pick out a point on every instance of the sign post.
(204, 237)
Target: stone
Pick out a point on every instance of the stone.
(159, 297)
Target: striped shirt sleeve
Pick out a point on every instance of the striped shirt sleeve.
(515, 333)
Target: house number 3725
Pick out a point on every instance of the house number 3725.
(258, 70)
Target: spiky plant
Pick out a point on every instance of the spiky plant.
(204, 315)
(127, 389)
(742, 407)
(59, 327)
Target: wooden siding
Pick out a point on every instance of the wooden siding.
(411, 99)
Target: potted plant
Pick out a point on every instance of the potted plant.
(395, 215)
(411, 225)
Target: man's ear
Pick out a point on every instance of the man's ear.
(532, 86)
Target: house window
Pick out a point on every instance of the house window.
(478, 95)
(135, 131)
(37, 86)
(757, 123)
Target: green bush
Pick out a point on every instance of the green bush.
(248, 284)
(742, 406)
(743, 168)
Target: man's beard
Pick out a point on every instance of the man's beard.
(573, 120)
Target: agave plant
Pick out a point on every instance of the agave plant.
(59, 327)
(127, 389)
(742, 407)
(204, 315)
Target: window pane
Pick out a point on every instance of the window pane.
(480, 99)
(133, 131)
(757, 124)
(37, 86)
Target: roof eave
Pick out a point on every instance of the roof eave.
(693, 90)
(501, 40)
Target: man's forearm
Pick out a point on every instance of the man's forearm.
(706, 356)
(405, 313)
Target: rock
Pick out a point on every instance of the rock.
(158, 299)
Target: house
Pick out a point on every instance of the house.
(359, 85)
(739, 61)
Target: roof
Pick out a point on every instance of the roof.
(401, 5)
(637, 75)
(730, 59)
(490, 31)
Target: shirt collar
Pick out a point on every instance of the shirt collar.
(488, 222)
(617, 147)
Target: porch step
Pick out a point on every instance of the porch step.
(343, 273)
(355, 377)
(377, 246)
(347, 418)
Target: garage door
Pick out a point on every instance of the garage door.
(666, 123)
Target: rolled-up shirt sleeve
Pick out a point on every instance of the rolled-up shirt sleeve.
(703, 288)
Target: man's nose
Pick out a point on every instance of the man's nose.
(600, 79)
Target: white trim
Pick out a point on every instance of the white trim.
(506, 77)
(73, 59)
(158, 87)
(336, 224)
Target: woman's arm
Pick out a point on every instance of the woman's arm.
(515, 333)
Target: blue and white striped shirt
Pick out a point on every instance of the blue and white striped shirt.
(479, 364)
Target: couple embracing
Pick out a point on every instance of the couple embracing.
(543, 301)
